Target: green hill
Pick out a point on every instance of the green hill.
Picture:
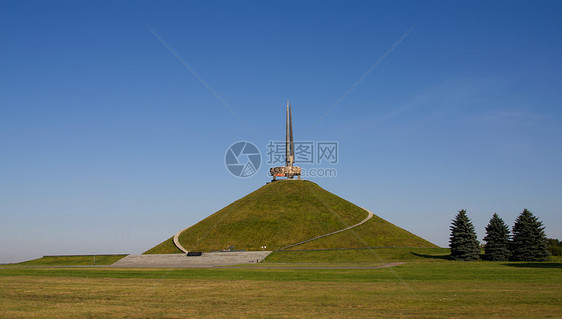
(286, 212)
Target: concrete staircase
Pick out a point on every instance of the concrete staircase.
(183, 261)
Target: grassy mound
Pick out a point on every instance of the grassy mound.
(165, 247)
(376, 232)
(286, 212)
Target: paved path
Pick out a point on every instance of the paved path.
(369, 216)
(183, 261)
(177, 242)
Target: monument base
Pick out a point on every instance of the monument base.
(288, 172)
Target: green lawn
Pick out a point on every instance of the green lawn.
(79, 260)
(490, 272)
(436, 288)
(359, 256)
(426, 285)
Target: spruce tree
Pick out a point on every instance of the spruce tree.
(529, 241)
(497, 240)
(463, 242)
(554, 247)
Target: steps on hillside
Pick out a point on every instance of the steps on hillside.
(182, 261)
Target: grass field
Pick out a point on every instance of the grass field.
(78, 260)
(425, 286)
(359, 256)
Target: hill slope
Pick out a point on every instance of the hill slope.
(286, 212)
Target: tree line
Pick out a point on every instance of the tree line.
(527, 240)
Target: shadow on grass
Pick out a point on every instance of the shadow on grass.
(442, 257)
(534, 265)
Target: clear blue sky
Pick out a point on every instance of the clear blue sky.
(109, 144)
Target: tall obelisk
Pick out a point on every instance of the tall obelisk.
(289, 171)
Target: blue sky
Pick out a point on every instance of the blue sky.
(109, 143)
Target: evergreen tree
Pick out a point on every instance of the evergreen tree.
(497, 240)
(463, 242)
(529, 241)
(554, 247)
